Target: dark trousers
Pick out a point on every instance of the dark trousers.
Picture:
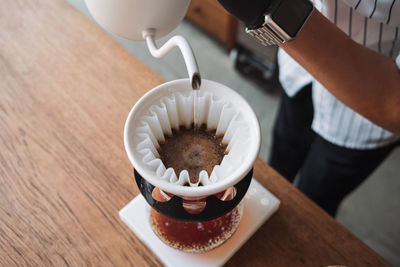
(327, 172)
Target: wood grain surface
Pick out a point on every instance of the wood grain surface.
(66, 89)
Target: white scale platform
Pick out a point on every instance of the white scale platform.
(259, 205)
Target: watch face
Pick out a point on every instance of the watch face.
(290, 15)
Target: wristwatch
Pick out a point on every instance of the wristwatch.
(282, 21)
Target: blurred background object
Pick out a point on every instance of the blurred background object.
(228, 56)
(210, 16)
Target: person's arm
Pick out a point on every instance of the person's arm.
(364, 80)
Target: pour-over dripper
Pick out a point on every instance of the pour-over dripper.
(148, 121)
(205, 197)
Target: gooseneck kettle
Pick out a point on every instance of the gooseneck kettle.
(147, 20)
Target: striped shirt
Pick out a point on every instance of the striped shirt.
(372, 23)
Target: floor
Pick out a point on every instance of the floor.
(371, 212)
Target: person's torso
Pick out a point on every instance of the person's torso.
(371, 23)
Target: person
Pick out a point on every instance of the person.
(351, 49)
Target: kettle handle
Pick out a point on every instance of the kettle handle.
(173, 208)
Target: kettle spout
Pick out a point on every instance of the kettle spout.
(195, 81)
(186, 50)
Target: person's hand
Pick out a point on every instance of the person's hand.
(248, 11)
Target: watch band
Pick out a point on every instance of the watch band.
(267, 35)
(271, 33)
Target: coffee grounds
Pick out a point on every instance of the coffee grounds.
(192, 150)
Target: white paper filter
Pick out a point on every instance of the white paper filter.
(177, 109)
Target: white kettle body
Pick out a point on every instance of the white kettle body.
(129, 18)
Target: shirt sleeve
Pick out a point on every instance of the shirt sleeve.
(398, 60)
(292, 76)
(385, 11)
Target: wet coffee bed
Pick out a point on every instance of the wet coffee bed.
(193, 150)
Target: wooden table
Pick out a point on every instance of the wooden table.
(66, 88)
